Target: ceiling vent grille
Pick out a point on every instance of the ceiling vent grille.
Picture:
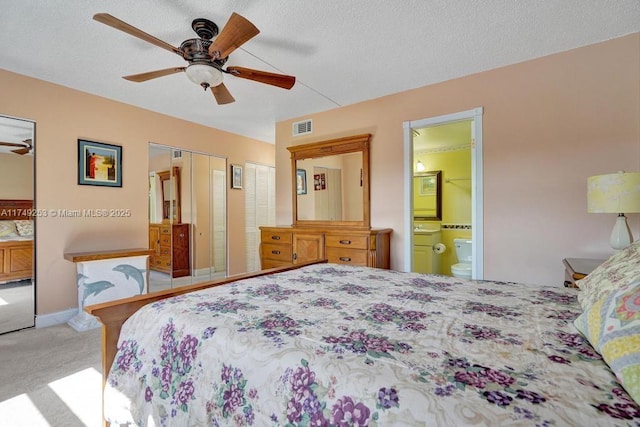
(177, 154)
(303, 128)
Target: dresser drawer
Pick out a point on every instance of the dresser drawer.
(165, 229)
(347, 256)
(269, 263)
(276, 237)
(276, 252)
(346, 241)
(165, 240)
(162, 261)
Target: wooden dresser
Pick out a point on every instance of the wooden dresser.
(167, 257)
(281, 246)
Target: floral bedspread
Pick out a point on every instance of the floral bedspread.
(334, 345)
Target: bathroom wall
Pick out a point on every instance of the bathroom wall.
(455, 164)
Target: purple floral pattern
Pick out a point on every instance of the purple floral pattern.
(407, 320)
(224, 305)
(333, 345)
(170, 373)
(309, 403)
(233, 398)
(360, 342)
(273, 291)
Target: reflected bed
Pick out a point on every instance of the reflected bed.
(16, 240)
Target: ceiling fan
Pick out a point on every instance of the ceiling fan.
(206, 57)
(24, 148)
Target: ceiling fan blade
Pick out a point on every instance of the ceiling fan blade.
(222, 94)
(114, 22)
(143, 77)
(237, 31)
(11, 144)
(21, 151)
(280, 80)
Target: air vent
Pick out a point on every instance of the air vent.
(302, 128)
(177, 154)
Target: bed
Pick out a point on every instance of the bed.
(16, 240)
(330, 344)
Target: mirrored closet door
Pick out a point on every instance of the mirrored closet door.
(187, 217)
(17, 273)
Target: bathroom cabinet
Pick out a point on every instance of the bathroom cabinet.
(425, 260)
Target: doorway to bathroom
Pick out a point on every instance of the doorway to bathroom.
(443, 194)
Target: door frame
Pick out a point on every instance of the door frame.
(477, 220)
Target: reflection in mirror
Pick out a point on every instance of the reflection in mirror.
(170, 190)
(331, 182)
(187, 217)
(17, 273)
(334, 191)
(427, 196)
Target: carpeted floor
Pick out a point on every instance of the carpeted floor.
(50, 377)
(16, 305)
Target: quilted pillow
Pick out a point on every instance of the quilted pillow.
(24, 227)
(620, 269)
(8, 228)
(612, 326)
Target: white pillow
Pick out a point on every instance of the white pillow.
(8, 228)
(621, 269)
(24, 227)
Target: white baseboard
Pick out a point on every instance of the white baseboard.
(203, 271)
(57, 318)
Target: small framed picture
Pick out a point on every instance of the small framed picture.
(301, 181)
(428, 185)
(236, 176)
(99, 164)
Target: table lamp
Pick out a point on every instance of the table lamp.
(615, 193)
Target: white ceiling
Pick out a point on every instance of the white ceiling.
(342, 52)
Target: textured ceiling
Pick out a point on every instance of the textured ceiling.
(342, 52)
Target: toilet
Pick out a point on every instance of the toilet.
(463, 252)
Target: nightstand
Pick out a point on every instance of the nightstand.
(578, 268)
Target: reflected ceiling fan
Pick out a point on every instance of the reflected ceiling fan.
(24, 147)
(206, 56)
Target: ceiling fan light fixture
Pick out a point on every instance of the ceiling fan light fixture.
(204, 75)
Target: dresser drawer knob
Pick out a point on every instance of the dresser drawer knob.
(275, 237)
(345, 242)
(275, 252)
(345, 259)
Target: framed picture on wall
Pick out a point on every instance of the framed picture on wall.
(428, 185)
(236, 176)
(301, 181)
(99, 164)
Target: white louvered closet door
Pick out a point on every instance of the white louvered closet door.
(219, 220)
(260, 205)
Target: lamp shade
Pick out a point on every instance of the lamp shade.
(614, 193)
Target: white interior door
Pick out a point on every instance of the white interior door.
(476, 186)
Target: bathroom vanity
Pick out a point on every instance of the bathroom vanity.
(425, 257)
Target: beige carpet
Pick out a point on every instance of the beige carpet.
(50, 377)
(16, 305)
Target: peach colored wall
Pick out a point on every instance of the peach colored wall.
(549, 123)
(63, 115)
(17, 170)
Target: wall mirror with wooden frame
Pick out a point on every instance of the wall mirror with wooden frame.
(330, 182)
(427, 196)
